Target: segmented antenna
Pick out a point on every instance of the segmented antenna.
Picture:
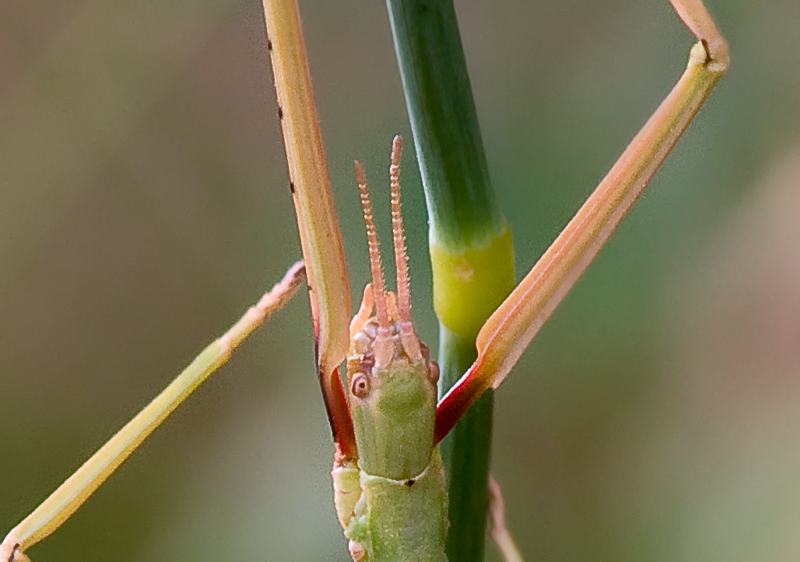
(382, 347)
(407, 335)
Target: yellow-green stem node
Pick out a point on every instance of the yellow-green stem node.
(469, 284)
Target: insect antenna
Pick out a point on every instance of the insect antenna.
(407, 335)
(383, 346)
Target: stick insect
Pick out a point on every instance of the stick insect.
(500, 343)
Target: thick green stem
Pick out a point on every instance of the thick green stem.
(461, 203)
(471, 249)
(466, 451)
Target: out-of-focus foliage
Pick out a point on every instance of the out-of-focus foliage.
(144, 205)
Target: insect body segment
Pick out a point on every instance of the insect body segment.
(398, 509)
(393, 406)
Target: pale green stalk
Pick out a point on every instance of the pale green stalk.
(77, 488)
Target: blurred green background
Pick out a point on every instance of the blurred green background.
(144, 205)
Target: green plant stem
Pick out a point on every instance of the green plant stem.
(466, 451)
(471, 250)
(461, 203)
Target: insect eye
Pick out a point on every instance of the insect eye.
(360, 386)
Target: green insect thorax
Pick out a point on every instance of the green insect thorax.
(393, 406)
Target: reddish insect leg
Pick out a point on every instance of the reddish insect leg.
(323, 252)
(513, 325)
